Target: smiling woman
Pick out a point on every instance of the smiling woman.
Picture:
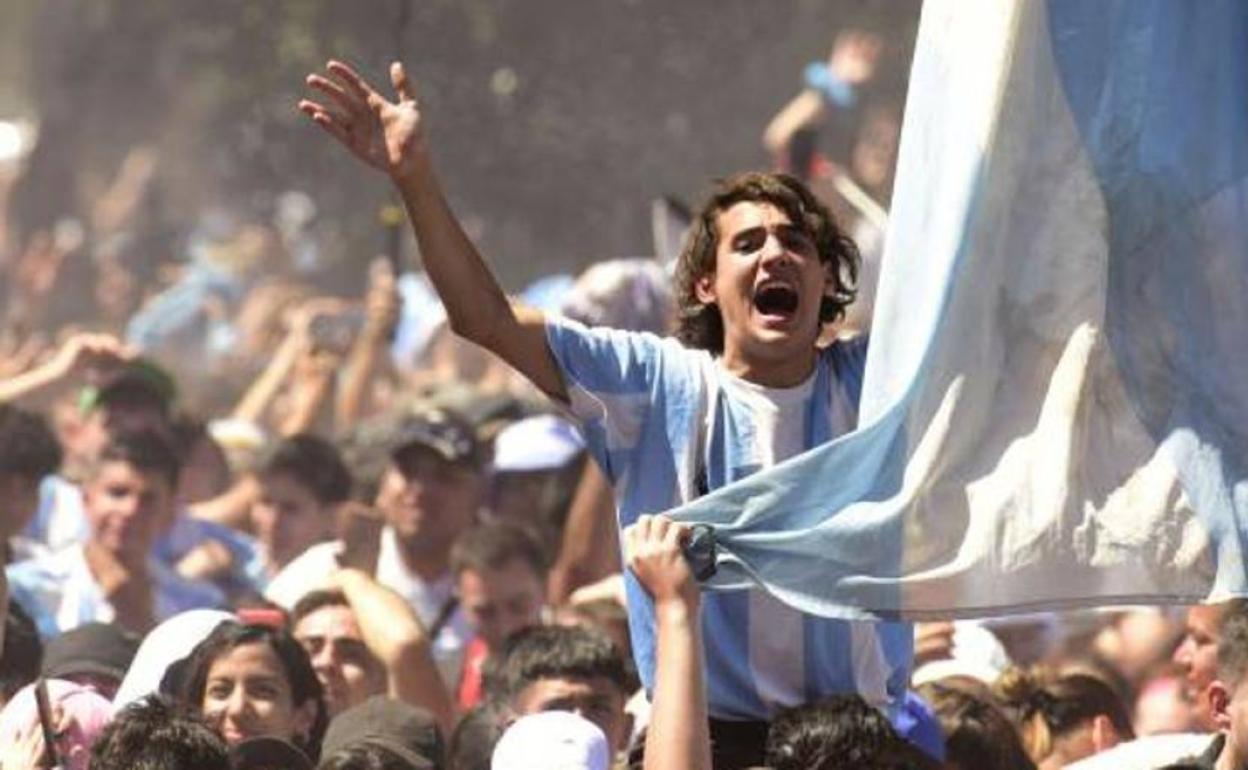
(250, 681)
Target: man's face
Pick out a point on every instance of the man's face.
(428, 501)
(288, 518)
(596, 699)
(499, 602)
(19, 498)
(348, 670)
(127, 509)
(1197, 656)
(768, 284)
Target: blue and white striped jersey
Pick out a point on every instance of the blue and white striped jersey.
(667, 424)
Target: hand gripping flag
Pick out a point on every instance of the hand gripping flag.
(1055, 408)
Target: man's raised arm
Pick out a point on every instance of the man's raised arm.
(389, 136)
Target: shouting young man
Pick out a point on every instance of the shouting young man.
(746, 386)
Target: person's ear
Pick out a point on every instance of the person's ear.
(704, 289)
(1219, 702)
(1104, 734)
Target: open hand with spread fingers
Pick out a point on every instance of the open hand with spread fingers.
(385, 134)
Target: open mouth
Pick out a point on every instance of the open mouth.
(776, 300)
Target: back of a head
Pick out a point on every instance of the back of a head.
(1046, 706)
(554, 652)
(978, 735)
(152, 734)
(840, 731)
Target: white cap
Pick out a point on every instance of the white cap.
(540, 443)
(164, 645)
(552, 740)
(976, 653)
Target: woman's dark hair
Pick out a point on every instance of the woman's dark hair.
(1046, 705)
(700, 325)
(978, 734)
(301, 677)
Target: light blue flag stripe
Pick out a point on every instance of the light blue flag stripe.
(1055, 410)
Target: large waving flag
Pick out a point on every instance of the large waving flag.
(1055, 410)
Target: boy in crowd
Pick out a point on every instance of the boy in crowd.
(111, 576)
(302, 482)
(562, 668)
(764, 270)
(364, 640)
(430, 493)
(500, 579)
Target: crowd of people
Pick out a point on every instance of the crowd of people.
(247, 526)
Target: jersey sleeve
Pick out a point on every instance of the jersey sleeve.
(620, 385)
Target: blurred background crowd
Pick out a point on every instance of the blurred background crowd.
(244, 465)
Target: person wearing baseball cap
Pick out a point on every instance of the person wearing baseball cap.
(388, 729)
(431, 488)
(95, 655)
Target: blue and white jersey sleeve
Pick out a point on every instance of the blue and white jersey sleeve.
(639, 399)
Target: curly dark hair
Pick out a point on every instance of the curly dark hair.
(155, 734)
(838, 731)
(700, 325)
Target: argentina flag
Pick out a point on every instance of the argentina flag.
(1055, 406)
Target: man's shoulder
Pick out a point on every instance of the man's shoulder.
(1151, 753)
(40, 584)
(45, 565)
(572, 342)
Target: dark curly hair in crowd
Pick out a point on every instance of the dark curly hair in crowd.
(154, 734)
(978, 734)
(839, 731)
(700, 325)
(554, 652)
(192, 678)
